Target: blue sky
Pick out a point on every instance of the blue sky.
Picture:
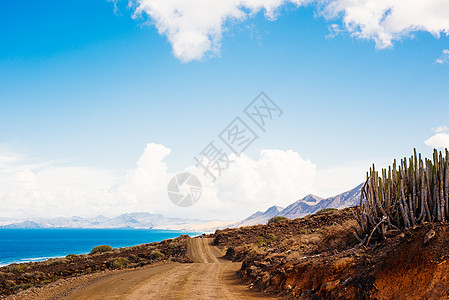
(82, 85)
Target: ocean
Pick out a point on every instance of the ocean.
(25, 245)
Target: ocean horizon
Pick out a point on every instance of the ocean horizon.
(30, 245)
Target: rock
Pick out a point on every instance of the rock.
(266, 279)
(260, 264)
(331, 285)
(253, 270)
(347, 280)
(429, 235)
(230, 253)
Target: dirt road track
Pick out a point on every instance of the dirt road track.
(209, 277)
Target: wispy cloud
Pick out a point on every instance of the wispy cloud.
(195, 28)
(444, 58)
(441, 129)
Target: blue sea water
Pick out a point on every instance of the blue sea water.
(25, 245)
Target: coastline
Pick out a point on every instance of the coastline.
(31, 256)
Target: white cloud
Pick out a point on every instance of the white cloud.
(274, 178)
(385, 21)
(195, 27)
(44, 189)
(440, 139)
(145, 187)
(444, 58)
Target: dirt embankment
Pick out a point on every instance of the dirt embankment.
(317, 257)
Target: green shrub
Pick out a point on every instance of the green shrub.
(156, 254)
(325, 211)
(44, 282)
(133, 258)
(271, 238)
(55, 261)
(140, 264)
(254, 252)
(28, 275)
(14, 268)
(101, 249)
(275, 220)
(173, 245)
(117, 263)
(71, 256)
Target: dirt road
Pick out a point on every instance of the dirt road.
(209, 277)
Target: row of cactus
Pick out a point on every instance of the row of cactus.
(404, 196)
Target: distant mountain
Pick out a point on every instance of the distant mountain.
(308, 205)
(132, 220)
(346, 199)
(301, 207)
(311, 204)
(260, 217)
(311, 199)
(147, 220)
(25, 225)
(142, 220)
(6, 221)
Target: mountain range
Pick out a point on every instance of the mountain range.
(307, 205)
(141, 220)
(310, 204)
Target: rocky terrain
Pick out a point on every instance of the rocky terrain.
(318, 257)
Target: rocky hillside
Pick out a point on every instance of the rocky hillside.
(317, 257)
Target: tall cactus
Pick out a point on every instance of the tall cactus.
(403, 196)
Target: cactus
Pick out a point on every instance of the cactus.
(404, 195)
